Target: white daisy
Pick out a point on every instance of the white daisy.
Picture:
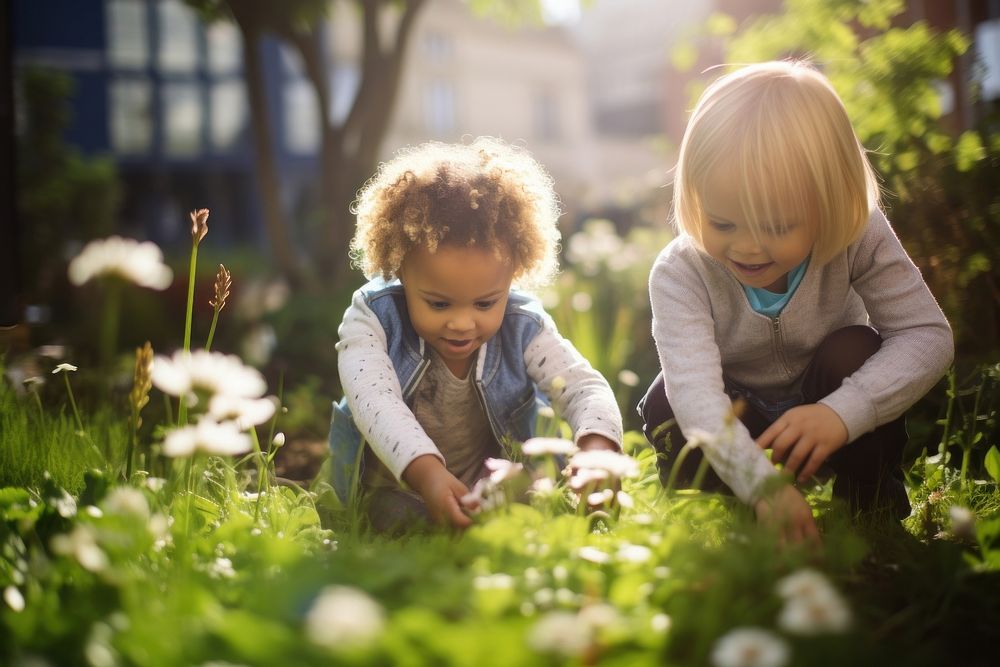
(212, 372)
(750, 647)
(343, 616)
(140, 263)
(246, 412)
(560, 632)
(616, 464)
(548, 446)
(207, 436)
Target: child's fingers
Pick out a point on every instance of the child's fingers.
(799, 455)
(454, 513)
(816, 459)
(765, 439)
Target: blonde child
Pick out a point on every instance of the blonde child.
(441, 360)
(787, 287)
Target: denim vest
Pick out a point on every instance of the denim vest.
(508, 395)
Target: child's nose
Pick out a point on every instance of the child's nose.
(461, 322)
(746, 244)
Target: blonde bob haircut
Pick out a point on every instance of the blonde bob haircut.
(782, 132)
(486, 194)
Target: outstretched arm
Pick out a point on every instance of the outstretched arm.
(441, 491)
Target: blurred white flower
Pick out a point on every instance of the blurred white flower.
(140, 263)
(815, 615)
(207, 436)
(126, 501)
(212, 372)
(617, 465)
(550, 446)
(493, 581)
(804, 583)
(546, 412)
(503, 470)
(279, 439)
(64, 368)
(963, 521)
(12, 596)
(246, 412)
(560, 632)
(155, 484)
(628, 377)
(581, 302)
(594, 555)
(259, 344)
(660, 623)
(543, 486)
(600, 615)
(222, 568)
(625, 500)
(585, 477)
(81, 544)
(343, 616)
(598, 498)
(558, 383)
(812, 604)
(750, 647)
(634, 553)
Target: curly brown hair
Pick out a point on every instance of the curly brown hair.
(487, 194)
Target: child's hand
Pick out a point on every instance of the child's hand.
(440, 490)
(788, 512)
(596, 441)
(804, 437)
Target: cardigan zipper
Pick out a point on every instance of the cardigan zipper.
(779, 347)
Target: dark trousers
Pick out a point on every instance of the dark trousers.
(868, 470)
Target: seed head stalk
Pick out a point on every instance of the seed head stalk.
(138, 398)
(199, 228)
(223, 281)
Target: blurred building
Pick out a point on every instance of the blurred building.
(163, 94)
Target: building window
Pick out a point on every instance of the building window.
(182, 119)
(225, 50)
(128, 46)
(301, 118)
(439, 107)
(131, 116)
(178, 48)
(229, 114)
(547, 116)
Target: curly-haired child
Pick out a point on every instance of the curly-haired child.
(443, 362)
(787, 287)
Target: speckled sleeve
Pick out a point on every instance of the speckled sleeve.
(586, 401)
(373, 393)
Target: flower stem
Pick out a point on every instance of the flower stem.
(72, 403)
(109, 321)
(261, 471)
(211, 330)
(190, 299)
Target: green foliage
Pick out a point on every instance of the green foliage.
(941, 188)
(61, 195)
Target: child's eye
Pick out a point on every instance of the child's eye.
(722, 226)
(438, 305)
(777, 231)
(486, 305)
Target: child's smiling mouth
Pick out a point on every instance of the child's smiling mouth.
(750, 269)
(462, 345)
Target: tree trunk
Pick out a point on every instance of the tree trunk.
(350, 152)
(268, 183)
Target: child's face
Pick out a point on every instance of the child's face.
(763, 262)
(456, 298)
